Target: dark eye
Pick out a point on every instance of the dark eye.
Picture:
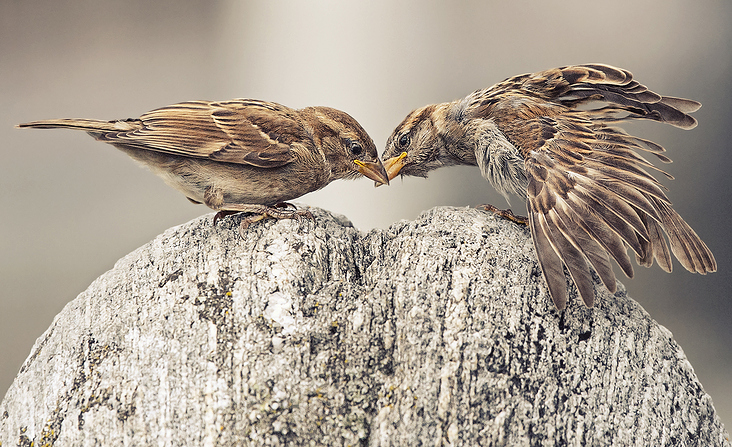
(404, 140)
(355, 148)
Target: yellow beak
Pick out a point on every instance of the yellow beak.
(393, 166)
(374, 171)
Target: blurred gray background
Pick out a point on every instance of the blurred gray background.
(72, 206)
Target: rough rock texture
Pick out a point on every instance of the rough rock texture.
(433, 332)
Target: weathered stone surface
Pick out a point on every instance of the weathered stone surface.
(437, 331)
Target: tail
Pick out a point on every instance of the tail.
(94, 126)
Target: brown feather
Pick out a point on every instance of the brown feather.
(239, 132)
(567, 250)
(596, 254)
(551, 264)
(688, 248)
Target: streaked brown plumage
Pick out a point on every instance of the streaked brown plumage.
(241, 155)
(588, 192)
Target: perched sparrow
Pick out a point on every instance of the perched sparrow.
(587, 190)
(241, 155)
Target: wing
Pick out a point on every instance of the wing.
(590, 195)
(239, 131)
(618, 95)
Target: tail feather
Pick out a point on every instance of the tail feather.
(82, 124)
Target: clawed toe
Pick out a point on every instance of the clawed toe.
(284, 205)
(223, 213)
(506, 214)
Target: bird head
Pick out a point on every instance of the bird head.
(349, 149)
(419, 144)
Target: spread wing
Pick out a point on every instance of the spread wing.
(616, 94)
(239, 131)
(590, 194)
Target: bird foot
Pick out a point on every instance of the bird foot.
(282, 210)
(279, 211)
(506, 214)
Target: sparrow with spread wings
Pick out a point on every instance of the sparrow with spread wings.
(552, 137)
(242, 155)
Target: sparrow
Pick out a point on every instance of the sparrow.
(242, 155)
(552, 137)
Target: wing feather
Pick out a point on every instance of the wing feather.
(655, 247)
(571, 255)
(595, 253)
(550, 263)
(686, 245)
(242, 131)
(590, 193)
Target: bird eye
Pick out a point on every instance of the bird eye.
(404, 140)
(355, 148)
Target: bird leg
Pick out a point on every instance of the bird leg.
(506, 214)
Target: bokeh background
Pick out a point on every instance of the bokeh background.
(72, 206)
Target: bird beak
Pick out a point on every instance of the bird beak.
(374, 171)
(393, 166)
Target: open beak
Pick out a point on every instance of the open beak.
(393, 166)
(374, 171)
